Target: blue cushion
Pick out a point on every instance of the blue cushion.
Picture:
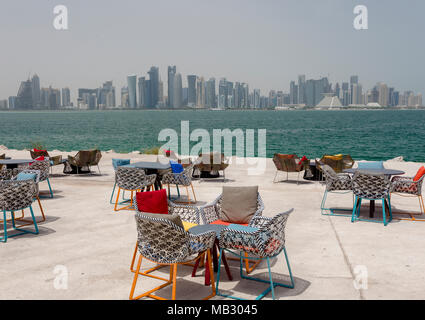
(26, 176)
(371, 165)
(176, 167)
(239, 227)
(120, 162)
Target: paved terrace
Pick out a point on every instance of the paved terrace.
(83, 233)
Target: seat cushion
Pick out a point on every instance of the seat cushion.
(188, 225)
(239, 204)
(152, 201)
(26, 176)
(221, 222)
(335, 157)
(176, 167)
(419, 174)
(120, 162)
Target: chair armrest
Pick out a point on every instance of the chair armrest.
(202, 242)
(56, 160)
(186, 213)
(209, 213)
(259, 221)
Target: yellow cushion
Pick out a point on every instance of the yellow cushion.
(336, 157)
(188, 225)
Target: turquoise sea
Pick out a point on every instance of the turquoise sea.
(369, 135)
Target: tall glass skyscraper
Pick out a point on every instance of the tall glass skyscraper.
(132, 96)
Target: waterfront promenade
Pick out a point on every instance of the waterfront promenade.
(95, 244)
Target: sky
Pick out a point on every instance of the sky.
(265, 43)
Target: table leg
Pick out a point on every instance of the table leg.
(372, 208)
(215, 260)
(226, 266)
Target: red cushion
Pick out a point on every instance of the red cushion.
(221, 222)
(167, 153)
(152, 201)
(37, 150)
(39, 158)
(303, 159)
(420, 173)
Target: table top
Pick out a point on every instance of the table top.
(387, 172)
(16, 161)
(217, 228)
(151, 165)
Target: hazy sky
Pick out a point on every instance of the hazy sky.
(265, 43)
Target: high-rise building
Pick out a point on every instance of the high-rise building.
(354, 79)
(256, 99)
(24, 96)
(191, 90)
(293, 92)
(301, 89)
(66, 97)
(154, 83)
(141, 91)
(210, 93)
(36, 92)
(171, 73)
(178, 91)
(125, 103)
(383, 94)
(12, 102)
(200, 93)
(132, 96)
(356, 94)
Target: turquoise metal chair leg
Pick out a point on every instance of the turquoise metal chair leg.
(178, 190)
(391, 211)
(354, 210)
(360, 206)
(50, 188)
(113, 192)
(331, 210)
(23, 231)
(271, 278)
(384, 214)
(4, 238)
(218, 273)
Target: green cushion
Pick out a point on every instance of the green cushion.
(239, 204)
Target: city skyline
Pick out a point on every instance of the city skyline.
(287, 39)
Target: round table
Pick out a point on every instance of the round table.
(385, 172)
(14, 163)
(217, 228)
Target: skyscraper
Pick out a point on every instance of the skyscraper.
(132, 98)
(24, 96)
(178, 91)
(171, 73)
(191, 90)
(301, 89)
(66, 97)
(210, 93)
(200, 93)
(35, 86)
(154, 82)
(383, 94)
(293, 92)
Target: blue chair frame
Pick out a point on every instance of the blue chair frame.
(358, 203)
(272, 283)
(22, 231)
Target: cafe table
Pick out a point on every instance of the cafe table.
(153, 168)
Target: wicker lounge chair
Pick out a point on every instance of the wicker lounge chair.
(212, 163)
(263, 239)
(167, 244)
(371, 187)
(335, 183)
(338, 162)
(85, 159)
(409, 187)
(54, 160)
(289, 163)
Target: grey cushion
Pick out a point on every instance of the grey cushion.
(239, 204)
(173, 218)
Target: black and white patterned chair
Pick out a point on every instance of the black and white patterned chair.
(188, 214)
(371, 187)
(263, 239)
(132, 179)
(165, 243)
(406, 186)
(183, 179)
(339, 183)
(44, 168)
(16, 196)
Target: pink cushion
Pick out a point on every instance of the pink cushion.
(152, 201)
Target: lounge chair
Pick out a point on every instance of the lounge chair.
(2, 157)
(85, 159)
(289, 163)
(212, 163)
(54, 160)
(338, 162)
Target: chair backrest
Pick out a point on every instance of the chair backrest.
(371, 165)
(328, 172)
(130, 178)
(335, 162)
(161, 240)
(95, 156)
(6, 174)
(16, 195)
(43, 166)
(260, 205)
(84, 157)
(286, 162)
(39, 153)
(212, 161)
(120, 162)
(371, 186)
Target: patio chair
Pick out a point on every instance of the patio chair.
(410, 187)
(119, 163)
(335, 183)
(212, 162)
(289, 163)
(85, 159)
(338, 162)
(212, 213)
(165, 243)
(133, 180)
(16, 196)
(183, 179)
(44, 168)
(371, 187)
(2, 157)
(54, 160)
(263, 239)
(189, 215)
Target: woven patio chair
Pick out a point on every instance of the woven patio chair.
(16, 196)
(115, 164)
(85, 159)
(335, 183)
(337, 162)
(289, 163)
(211, 162)
(183, 179)
(408, 187)
(165, 243)
(54, 160)
(44, 168)
(371, 187)
(2, 157)
(211, 213)
(263, 239)
(189, 215)
(7, 175)
(133, 180)
(96, 155)
(37, 173)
